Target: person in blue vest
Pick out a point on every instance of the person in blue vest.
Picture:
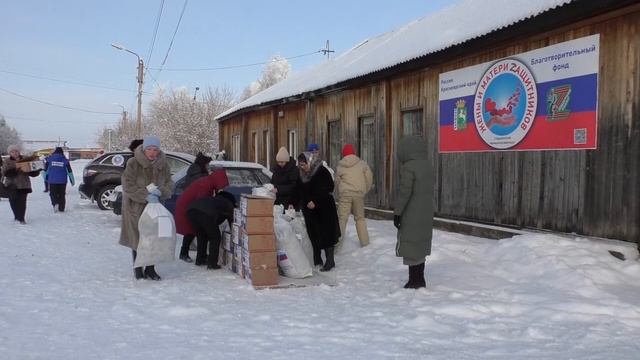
(57, 170)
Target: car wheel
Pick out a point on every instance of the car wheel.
(103, 197)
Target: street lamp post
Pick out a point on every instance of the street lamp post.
(140, 83)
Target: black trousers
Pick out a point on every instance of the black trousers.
(18, 202)
(208, 234)
(57, 194)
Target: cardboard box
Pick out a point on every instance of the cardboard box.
(252, 205)
(237, 252)
(258, 242)
(240, 270)
(235, 233)
(221, 256)
(29, 166)
(237, 216)
(228, 262)
(266, 277)
(258, 260)
(226, 241)
(258, 225)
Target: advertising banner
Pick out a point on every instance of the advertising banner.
(545, 99)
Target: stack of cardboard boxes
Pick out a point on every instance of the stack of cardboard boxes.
(250, 247)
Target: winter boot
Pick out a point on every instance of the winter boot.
(317, 257)
(214, 253)
(150, 273)
(416, 277)
(330, 263)
(184, 254)
(137, 272)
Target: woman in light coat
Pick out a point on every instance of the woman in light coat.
(353, 181)
(18, 181)
(413, 210)
(147, 166)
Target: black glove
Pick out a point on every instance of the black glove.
(396, 221)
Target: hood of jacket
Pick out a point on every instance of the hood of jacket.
(412, 148)
(349, 161)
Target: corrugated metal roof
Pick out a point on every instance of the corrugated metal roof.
(454, 25)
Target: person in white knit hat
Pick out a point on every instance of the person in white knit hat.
(284, 179)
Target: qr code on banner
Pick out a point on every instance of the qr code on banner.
(580, 136)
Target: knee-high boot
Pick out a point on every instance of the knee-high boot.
(416, 277)
(137, 272)
(330, 263)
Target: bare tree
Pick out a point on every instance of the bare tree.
(8, 135)
(119, 137)
(187, 125)
(276, 70)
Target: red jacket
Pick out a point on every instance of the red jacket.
(202, 187)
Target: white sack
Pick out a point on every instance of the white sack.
(300, 228)
(157, 236)
(291, 257)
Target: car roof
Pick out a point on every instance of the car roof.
(188, 157)
(225, 164)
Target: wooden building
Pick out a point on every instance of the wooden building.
(371, 104)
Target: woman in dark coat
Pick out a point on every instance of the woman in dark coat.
(198, 169)
(285, 179)
(315, 188)
(413, 209)
(19, 181)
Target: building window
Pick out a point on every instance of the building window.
(412, 123)
(235, 147)
(367, 136)
(266, 148)
(335, 143)
(292, 143)
(254, 146)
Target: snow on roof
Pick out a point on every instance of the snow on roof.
(456, 24)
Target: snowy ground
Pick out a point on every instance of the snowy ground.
(67, 292)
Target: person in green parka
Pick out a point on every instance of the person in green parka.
(413, 210)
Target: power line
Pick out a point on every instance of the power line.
(184, 7)
(63, 81)
(238, 66)
(83, 122)
(56, 105)
(155, 32)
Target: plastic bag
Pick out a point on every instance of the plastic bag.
(157, 236)
(300, 229)
(264, 191)
(291, 257)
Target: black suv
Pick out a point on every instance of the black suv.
(104, 173)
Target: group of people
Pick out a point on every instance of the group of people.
(57, 173)
(310, 186)
(305, 184)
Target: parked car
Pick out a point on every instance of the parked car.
(101, 176)
(243, 177)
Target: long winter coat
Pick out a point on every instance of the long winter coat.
(16, 177)
(353, 177)
(322, 221)
(200, 188)
(138, 173)
(57, 169)
(414, 202)
(285, 180)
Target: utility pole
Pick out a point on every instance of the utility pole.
(140, 83)
(327, 50)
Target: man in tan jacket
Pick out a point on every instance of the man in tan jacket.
(353, 181)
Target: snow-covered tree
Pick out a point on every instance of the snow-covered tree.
(276, 70)
(8, 135)
(187, 125)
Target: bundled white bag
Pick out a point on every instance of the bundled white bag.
(264, 191)
(157, 236)
(291, 258)
(300, 228)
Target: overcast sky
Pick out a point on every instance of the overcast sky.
(51, 51)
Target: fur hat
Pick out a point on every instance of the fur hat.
(150, 141)
(348, 150)
(282, 155)
(202, 159)
(13, 147)
(134, 144)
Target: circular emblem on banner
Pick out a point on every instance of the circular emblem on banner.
(117, 160)
(505, 103)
